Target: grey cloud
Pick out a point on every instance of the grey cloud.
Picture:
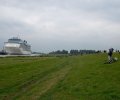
(62, 24)
(7, 26)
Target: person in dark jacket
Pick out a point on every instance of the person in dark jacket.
(110, 55)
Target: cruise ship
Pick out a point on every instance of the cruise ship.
(16, 46)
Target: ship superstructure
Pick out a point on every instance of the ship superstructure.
(17, 46)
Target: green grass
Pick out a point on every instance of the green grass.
(59, 78)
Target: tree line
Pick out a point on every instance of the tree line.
(59, 52)
(73, 52)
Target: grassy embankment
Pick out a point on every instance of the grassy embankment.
(59, 78)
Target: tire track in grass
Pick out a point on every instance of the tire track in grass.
(6, 92)
(41, 88)
(39, 78)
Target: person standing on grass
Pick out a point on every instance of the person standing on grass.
(110, 55)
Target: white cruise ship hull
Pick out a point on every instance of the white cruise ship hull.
(16, 49)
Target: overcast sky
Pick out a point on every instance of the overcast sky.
(62, 24)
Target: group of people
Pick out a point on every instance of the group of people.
(110, 58)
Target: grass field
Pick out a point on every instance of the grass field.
(59, 78)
